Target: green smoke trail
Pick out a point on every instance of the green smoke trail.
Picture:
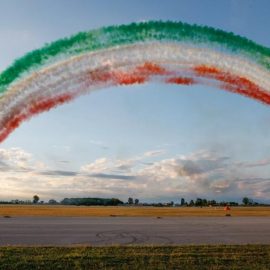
(136, 32)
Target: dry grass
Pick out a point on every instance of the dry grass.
(75, 211)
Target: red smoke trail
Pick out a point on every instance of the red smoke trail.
(181, 80)
(151, 69)
(234, 83)
(47, 104)
(13, 121)
(127, 78)
(139, 74)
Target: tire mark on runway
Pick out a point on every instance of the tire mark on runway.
(117, 237)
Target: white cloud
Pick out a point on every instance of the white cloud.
(15, 157)
(203, 174)
(98, 166)
(154, 153)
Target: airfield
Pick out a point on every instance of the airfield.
(103, 231)
(37, 225)
(128, 211)
(70, 237)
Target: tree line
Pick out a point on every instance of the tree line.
(91, 201)
(200, 202)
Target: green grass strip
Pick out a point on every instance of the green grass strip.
(137, 257)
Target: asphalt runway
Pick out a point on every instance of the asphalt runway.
(61, 231)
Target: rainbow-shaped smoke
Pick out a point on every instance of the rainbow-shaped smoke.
(169, 52)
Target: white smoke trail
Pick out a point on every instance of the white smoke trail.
(73, 74)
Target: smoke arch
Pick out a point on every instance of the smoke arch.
(166, 52)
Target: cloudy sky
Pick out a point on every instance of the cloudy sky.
(155, 142)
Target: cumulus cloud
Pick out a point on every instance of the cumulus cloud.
(204, 174)
(15, 157)
(98, 166)
(108, 165)
(4, 166)
(186, 166)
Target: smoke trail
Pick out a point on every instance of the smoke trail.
(166, 52)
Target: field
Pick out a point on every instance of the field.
(136, 257)
(130, 256)
(76, 211)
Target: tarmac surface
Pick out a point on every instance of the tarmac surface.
(99, 231)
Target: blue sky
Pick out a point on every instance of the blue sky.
(145, 141)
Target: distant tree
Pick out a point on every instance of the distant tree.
(115, 201)
(183, 201)
(212, 202)
(233, 203)
(199, 202)
(223, 203)
(130, 200)
(52, 201)
(204, 202)
(191, 203)
(245, 200)
(35, 199)
(136, 201)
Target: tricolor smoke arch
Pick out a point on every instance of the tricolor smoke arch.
(169, 52)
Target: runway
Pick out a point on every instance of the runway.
(99, 231)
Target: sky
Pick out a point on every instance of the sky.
(154, 142)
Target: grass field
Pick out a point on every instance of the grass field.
(136, 257)
(47, 210)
